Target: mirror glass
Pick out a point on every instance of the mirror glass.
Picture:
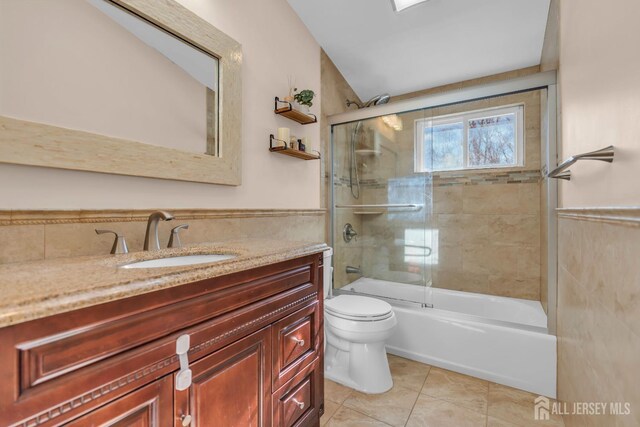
(90, 65)
(198, 64)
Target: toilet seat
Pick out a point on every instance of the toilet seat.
(358, 308)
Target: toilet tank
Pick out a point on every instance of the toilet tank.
(328, 272)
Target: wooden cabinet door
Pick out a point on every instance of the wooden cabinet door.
(231, 387)
(150, 406)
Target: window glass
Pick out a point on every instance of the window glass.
(492, 140)
(447, 142)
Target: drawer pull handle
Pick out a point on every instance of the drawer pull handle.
(298, 341)
(297, 402)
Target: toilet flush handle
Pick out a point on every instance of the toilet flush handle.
(298, 341)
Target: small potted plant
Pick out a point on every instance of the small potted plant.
(304, 98)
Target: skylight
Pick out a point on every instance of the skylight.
(400, 5)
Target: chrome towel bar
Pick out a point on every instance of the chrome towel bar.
(384, 206)
(561, 172)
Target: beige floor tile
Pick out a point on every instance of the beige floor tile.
(392, 407)
(346, 417)
(330, 408)
(496, 422)
(430, 412)
(516, 406)
(457, 388)
(336, 392)
(408, 373)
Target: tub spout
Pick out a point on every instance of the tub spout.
(354, 270)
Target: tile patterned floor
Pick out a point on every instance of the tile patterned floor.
(425, 396)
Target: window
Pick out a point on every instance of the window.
(491, 138)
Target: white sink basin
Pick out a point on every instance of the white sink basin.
(178, 261)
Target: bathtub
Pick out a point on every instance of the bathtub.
(503, 340)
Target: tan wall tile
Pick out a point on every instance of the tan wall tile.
(528, 262)
(458, 280)
(599, 317)
(449, 199)
(509, 285)
(21, 243)
(69, 240)
(490, 259)
(523, 230)
(449, 257)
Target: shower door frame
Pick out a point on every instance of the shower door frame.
(546, 81)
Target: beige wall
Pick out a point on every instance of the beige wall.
(550, 58)
(335, 92)
(600, 64)
(599, 275)
(468, 83)
(269, 56)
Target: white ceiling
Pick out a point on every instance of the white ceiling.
(428, 45)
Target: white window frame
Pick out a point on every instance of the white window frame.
(421, 124)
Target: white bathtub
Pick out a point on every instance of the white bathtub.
(499, 339)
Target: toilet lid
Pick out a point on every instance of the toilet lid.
(358, 306)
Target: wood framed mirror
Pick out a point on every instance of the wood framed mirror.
(187, 127)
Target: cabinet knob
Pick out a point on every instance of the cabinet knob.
(298, 341)
(297, 402)
(186, 420)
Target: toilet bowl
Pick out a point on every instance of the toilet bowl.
(356, 330)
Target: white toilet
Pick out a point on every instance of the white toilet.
(356, 330)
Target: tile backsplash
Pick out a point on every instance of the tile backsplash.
(37, 235)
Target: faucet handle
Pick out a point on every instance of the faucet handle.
(119, 244)
(174, 240)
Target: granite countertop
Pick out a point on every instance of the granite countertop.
(33, 290)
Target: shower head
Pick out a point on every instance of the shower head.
(376, 100)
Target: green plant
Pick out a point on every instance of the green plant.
(304, 97)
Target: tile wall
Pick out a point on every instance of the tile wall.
(37, 235)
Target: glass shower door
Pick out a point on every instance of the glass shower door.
(381, 209)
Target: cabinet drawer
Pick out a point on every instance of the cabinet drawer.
(296, 341)
(66, 351)
(297, 403)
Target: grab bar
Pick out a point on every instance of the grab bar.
(604, 154)
(386, 206)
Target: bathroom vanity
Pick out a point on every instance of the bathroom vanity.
(108, 347)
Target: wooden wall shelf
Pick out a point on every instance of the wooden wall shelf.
(291, 113)
(291, 152)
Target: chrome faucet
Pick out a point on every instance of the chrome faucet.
(119, 244)
(353, 270)
(151, 241)
(349, 233)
